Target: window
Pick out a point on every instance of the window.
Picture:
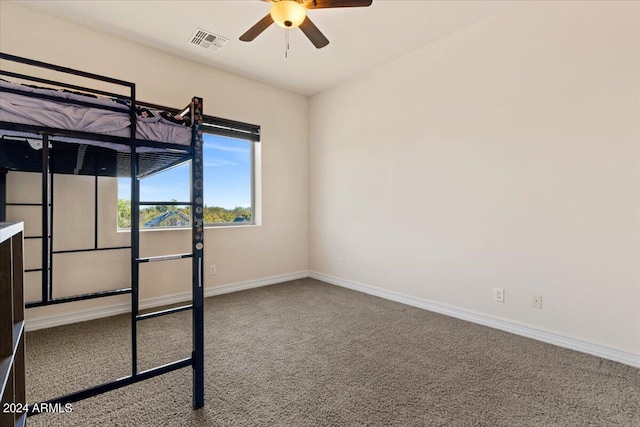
(229, 182)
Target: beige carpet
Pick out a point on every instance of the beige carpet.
(305, 353)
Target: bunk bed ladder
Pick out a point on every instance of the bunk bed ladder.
(197, 303)
(136, 260)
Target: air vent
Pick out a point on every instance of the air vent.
(207, 40)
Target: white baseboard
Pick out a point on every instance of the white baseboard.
(120, 308)
(493, 322)
(241, 286)
(470, 316)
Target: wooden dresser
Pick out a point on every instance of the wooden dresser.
(12, 363)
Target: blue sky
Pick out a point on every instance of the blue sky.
(227, 176)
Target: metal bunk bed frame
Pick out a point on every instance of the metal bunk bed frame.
(194, 152)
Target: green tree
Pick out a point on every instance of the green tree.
(124, 213)
(212, 214)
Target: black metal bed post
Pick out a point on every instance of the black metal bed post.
(45, 218)
(95, 213)
(50, 239)
(135, 254)
(197, 226)
(95, 202)
(3, 194)
(135, 237)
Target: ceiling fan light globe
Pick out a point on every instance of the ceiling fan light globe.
(288, 13)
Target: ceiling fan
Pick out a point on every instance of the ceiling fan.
(292, 14)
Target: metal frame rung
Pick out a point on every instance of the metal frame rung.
(81, 297)
(71, 251)
(122, 382)
(164, 312)
(165, 203)
(164, 257)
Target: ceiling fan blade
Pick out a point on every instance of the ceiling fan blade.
(313, 33)
(325, 4)
(257, 29)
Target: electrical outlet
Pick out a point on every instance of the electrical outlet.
(498, 294)
(340, 263)
(212, 269)
(536, 301)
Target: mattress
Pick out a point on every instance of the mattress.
(151, 125)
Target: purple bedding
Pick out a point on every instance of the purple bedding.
(151, 125)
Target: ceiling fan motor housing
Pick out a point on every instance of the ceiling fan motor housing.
(288, 13)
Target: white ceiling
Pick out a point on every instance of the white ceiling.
(360, 38)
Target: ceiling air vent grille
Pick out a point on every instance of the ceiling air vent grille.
(207, 40)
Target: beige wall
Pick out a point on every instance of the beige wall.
(279, 246)
(505, 155)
